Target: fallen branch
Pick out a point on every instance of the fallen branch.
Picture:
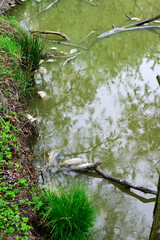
(131, 27)
(66, 38)
(147, 20)
(123, 29)
(94, 167)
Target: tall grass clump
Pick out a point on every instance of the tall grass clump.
(24, 49)
(67, 213)
(32, 48)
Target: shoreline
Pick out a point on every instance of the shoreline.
(19, 188)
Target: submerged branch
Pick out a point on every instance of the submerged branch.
(94, 167)
(66, 38)
(87, 36)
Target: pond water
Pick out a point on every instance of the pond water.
(104, 105)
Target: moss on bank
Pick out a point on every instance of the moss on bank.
(18, 182)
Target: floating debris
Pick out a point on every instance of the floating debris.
(42, 94)
(73, 51)
(43, 70)
(30, 117)
(73, 161)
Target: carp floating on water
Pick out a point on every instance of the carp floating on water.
(53, 48)
(30, 118)
(43, 70)
(51, 60)
(52, 157)
(84, 165)
(73, 51)
(42, 94)
(72, 161)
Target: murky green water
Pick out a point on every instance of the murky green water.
(104, 105)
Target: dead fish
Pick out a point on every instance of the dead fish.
(50, 60)
(30, 118)
(73, 51)
(72, 161)
(84, 165)
(42, 94)
(53, 48)
(53, 157)
(43, 70)
(54, 154)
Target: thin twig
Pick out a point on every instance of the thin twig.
(44, 161)
(87, 36)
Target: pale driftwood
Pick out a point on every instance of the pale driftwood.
(123, 29)
(87, 36)
(65, 37)
(94, 167)
(137, 26)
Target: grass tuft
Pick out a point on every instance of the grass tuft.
(67, 213)
(33, 49)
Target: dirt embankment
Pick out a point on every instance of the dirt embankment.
(18, 177)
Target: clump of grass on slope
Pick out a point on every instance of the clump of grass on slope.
(31, 47)
(67, 213)
(24, 49)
